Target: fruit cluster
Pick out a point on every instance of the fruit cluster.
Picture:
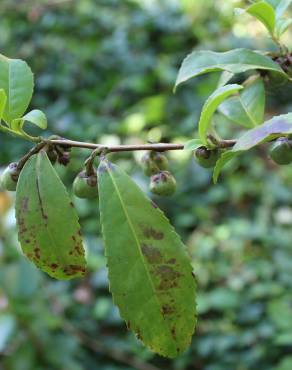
(155, 165)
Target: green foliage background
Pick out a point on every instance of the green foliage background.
(105, 72)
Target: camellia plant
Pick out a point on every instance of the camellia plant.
(150, 274)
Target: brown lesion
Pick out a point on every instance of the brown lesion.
(152, 254)
(168, 277)
(54, 266)
(71, 270)
(44, 215)
(150, 233)
(37, 253)
(168, 309)
(24, 204)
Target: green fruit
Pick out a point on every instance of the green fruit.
(154, 162)
(163, 183)
(85, 186)
(9, 177)
(205, 157)
(281, 151)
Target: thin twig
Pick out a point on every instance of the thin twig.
(33, 151)
(161, 147)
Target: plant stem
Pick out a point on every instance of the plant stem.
(33, 151)
(159, 147)
(20, 135)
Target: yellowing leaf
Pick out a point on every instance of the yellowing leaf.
(150, 274)
(48, 228)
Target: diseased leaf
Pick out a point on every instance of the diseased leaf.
(248, 108)
(48, 228)
(275, 127)
(210, 107)
(36, 117)
(16, 79)
(264, 12)
(234, 61)
(193, 144)
(150, 274)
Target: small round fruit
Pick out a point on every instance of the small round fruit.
(281, 151)
(85, 186)
(154, 162)
(9, 177)
(160, 160)
(163, 183)
(205, 157)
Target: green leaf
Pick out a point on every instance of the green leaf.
(248, 108)
(282, 26)
(282, 7)
(210, 107)
(225, 78)
(234, 61)
(3, 100)
(16, 79)
(193, 144)
(36, 117)
(150, 274)
(264, 12)
(225, 158)
(276, 127)
(48, 228)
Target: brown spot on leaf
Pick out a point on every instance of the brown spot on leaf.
(167, 309)
(138, 333)
(152, 254)
(154, 205)
(172, 261)
(37, 253)
(168, 277)
(24, 204)
(73, 270)
(44, 216)
(54, 266)
(173, 332)
(151, 233)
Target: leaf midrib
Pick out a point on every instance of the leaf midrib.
(139, 248)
